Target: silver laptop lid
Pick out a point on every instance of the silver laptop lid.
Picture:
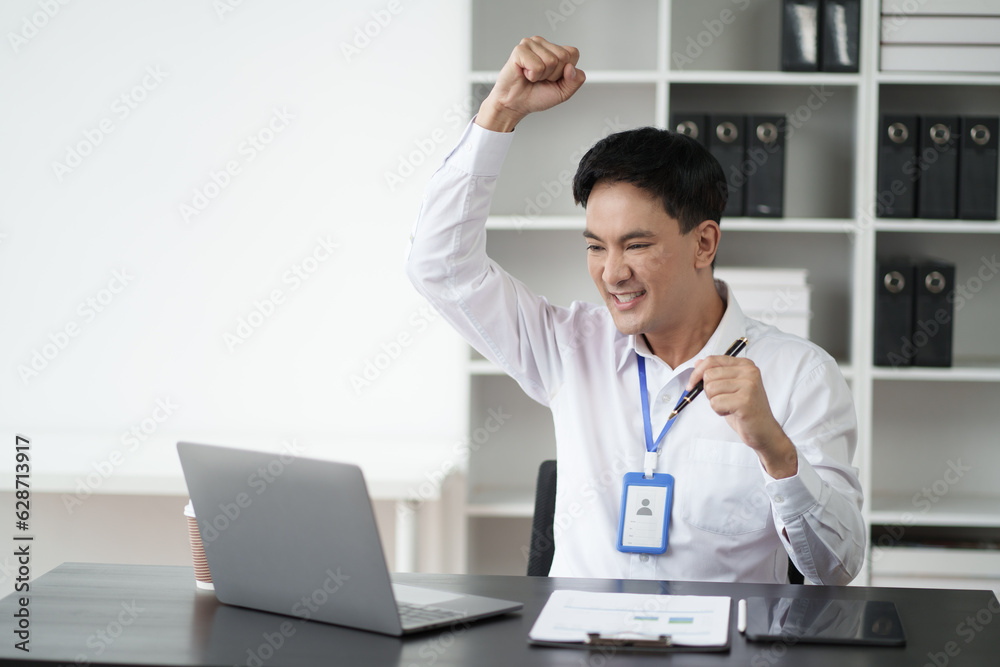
(290, 535)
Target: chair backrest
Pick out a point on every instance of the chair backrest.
(794, 576)
(542, 545)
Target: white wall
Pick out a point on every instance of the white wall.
(202, 79)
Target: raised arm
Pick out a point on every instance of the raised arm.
(448, 265)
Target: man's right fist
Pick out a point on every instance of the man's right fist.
(537, 76)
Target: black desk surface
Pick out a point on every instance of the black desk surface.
(153, 615)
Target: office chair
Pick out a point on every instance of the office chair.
(794, 576)
(542, 545)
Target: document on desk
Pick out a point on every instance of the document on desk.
(695, 621)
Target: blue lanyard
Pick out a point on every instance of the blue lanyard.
(646, 422)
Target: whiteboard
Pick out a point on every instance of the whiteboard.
(204, 213)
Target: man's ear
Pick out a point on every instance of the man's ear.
(707, 235)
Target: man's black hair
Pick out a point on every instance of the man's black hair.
(672, 167)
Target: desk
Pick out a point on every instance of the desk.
(153, 615)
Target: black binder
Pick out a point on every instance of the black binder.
(840, 23)
(800, 35)
(693, 125)
(765, 166)
(937, 191)
(897, 167)
(726, 141)
(977, 168)
(893, 312)
(933, 313)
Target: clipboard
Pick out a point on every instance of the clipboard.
(631, 621)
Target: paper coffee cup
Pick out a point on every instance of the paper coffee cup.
(202, 577)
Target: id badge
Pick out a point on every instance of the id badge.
(644, 522)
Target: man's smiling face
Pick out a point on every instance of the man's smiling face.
(640, 262)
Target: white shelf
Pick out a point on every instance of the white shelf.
(979, 512)
(937, 79)
(536, 223)
(484, 367)
(938, 226)
(960, 372)
(831, 174)
(792, 225)
(595, 76)
(577, 223)
(501, 503)
(704, 77)
(934, 560)
(765, 78)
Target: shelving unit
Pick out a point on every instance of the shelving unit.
(913, 421)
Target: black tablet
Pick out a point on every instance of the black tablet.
(823, 621)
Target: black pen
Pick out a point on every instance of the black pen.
(689, 396)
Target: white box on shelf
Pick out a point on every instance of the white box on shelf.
(969, 59)
(961, 30)
(779, 297)
(905, 8)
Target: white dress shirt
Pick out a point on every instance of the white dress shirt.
(730, 520)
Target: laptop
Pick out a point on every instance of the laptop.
(297, 536)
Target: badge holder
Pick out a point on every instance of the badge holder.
(644, 523)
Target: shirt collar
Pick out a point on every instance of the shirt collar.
(732, 326)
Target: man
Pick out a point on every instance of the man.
(760, 464)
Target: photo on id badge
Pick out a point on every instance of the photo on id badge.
(644, 522)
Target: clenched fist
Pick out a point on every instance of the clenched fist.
(537, 76)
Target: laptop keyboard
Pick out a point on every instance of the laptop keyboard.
(413, 615)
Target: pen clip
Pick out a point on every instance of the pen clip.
(626, 639)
